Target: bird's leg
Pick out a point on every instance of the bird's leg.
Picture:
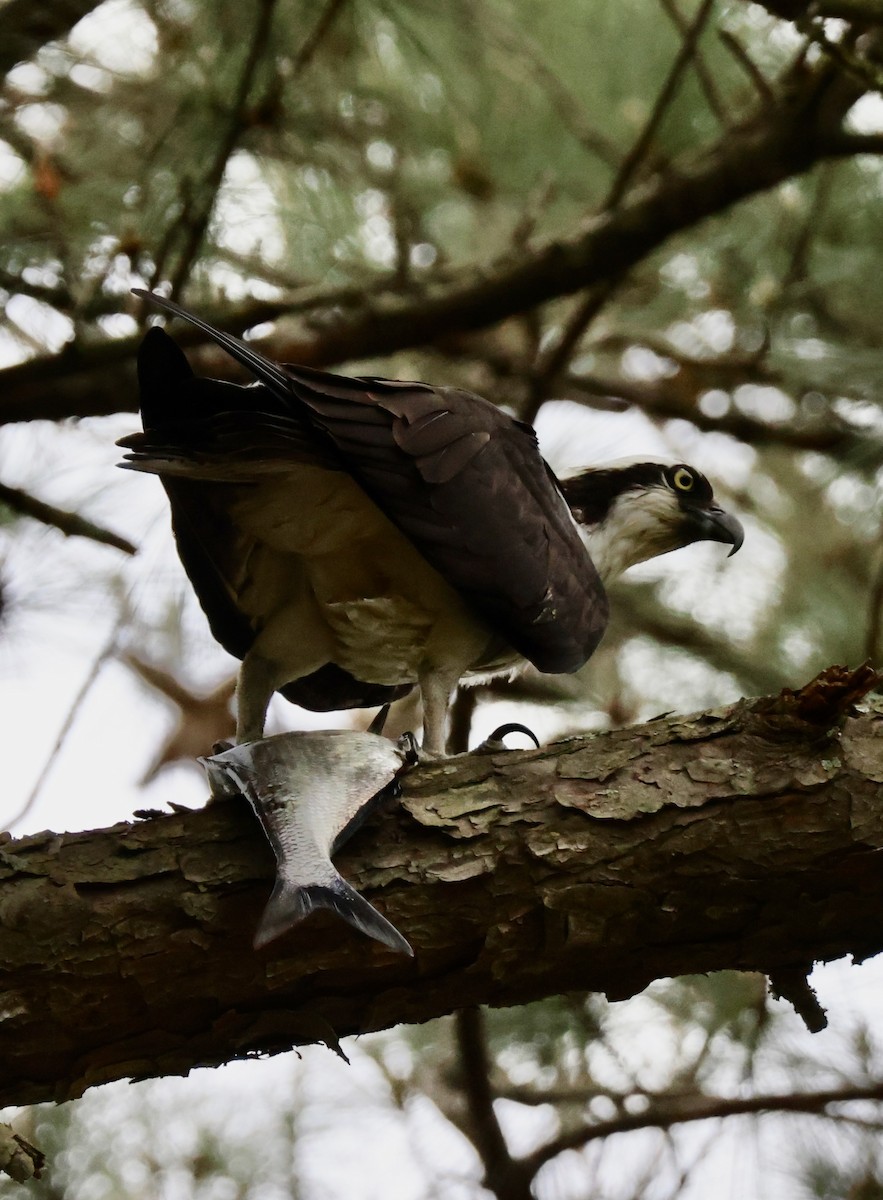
(436, 688)
(256, 684)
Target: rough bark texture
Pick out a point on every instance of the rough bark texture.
(746, 837)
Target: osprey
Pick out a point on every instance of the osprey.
(350, 538)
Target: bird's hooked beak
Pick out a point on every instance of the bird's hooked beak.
(714, 524)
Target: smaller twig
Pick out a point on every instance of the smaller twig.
(23, 335)
(555, 359)
(874, 643)
(731, 364)
(748, 65)
(855, 1122)
(108, 650)
(843, 144)
(314, 38)
(58, 295)
(195, 228)
(796, 270)
(504, 1175)
(703, 74)
(203, 719)
(163, 250)
(680, 1110)
(405, 226)
(667, 93)
(536, 203)
(71, 524)
(870, 12)
(869, 74)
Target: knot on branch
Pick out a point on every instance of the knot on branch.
(821, 705)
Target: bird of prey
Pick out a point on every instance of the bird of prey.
(349, 538)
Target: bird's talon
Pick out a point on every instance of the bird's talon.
(379, 720)
(496, 740)
(429, 756)
(408, 748)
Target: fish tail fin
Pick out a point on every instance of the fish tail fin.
(290, 903)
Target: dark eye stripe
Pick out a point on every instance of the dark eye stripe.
(594, 491)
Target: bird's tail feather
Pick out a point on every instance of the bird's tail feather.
(290, 903)
(265, 370)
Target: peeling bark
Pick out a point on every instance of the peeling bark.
(745, 837)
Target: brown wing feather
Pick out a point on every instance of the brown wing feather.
(462, 480)
(188, 412)
(468, 486)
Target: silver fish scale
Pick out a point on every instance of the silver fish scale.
(305, 788)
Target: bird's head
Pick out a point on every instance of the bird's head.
(629, 512)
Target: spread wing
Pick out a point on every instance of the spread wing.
(462, 480)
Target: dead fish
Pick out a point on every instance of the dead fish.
(311, 791)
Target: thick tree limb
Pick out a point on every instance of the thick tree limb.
(748, 837)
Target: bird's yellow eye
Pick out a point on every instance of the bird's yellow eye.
(683, 480)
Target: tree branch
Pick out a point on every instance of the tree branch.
(744, 838)
(30, 24)
(781, 141)
(504, 1176)
(551, 363)
(678, 398)
(713, 99)
(678, 1110)
(527, 58)
(667, 93)
(236, 123)
(71, 524)
(748, 65)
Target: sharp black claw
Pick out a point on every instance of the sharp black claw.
(407, 745)
(379, 720)
(496, 740)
